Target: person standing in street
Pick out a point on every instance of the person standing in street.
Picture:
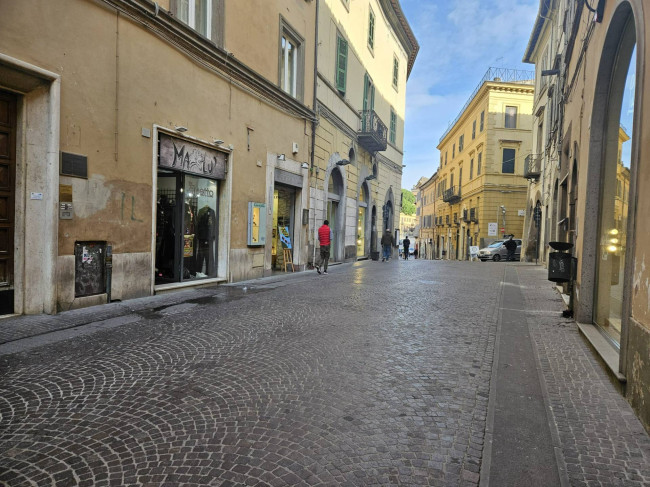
(325, 237)
(407, 245)
(511, 246)
(387, 244)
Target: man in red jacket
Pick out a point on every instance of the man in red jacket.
(325, 237)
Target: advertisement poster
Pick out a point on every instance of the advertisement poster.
(492, 229)
(284, 236)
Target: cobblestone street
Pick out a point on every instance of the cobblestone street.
(378, 373)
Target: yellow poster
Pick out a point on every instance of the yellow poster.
(188, 245)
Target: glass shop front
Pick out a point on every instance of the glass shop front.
(187, 230)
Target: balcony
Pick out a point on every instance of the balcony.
(373, 134)
(473, 215)
(533, 166)
(451, 195)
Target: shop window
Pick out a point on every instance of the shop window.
(615, 187)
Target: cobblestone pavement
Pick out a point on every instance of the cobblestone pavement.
(378, 373)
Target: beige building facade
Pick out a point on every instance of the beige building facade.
(605, 138)
(426, 211)
(480, 193)
(148, 144)
(365, 54)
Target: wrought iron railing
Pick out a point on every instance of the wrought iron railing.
(533, 166)
(451, 195)
(373, 134)
(499, 75)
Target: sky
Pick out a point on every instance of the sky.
(459, 40)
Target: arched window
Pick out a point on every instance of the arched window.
(615, 177)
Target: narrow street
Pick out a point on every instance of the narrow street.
(401, 373)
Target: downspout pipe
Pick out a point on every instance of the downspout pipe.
(314, 122)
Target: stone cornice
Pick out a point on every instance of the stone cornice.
(201, 50)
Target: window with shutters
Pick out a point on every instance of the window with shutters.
(393, 126)
(482, 121)
(371, 30)
(341, 63)
(479, 163)
(395, 72)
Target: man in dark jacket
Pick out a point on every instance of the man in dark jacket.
(407, 246)
(387, 244)
(511, 246)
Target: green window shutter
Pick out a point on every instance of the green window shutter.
(365, 92)
(341, 63)
(372, 97)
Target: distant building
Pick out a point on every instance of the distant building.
(426, 204)
(366, 51)
(480, 193)
(407, 224)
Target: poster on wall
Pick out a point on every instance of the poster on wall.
(256, 223)
(284, 236)
(492, 229)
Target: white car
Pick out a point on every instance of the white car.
(497, 251)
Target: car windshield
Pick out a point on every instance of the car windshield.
(495, 244)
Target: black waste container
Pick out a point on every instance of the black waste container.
(559, 267)
(374, 255)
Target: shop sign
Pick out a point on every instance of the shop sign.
(182, 155)
(284, 236)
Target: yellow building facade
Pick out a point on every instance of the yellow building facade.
(480, 193)
(366, 51)
(426, 210)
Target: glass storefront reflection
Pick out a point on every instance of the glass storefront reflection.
(613, 217)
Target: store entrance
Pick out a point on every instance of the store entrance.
(283, 224)
(7, 195)
(186, 227)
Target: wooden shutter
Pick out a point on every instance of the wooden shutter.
(341, 63)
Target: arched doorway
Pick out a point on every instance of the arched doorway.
(362, 221)
(334, 213)
(614, 171)
(388, 216)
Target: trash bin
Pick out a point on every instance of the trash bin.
(374, 255)
(560, 264)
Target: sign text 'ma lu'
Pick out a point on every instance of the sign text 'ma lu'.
(191, 158)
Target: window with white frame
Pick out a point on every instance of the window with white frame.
(291, 61)
(197, 14)
(511, 117)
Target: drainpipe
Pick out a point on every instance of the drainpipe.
(314, 122)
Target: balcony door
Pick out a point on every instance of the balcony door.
(368, 101)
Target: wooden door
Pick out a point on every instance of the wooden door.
(7, 195)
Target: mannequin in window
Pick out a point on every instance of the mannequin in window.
(206, 238)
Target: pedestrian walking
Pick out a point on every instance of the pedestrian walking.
(407, 245)
(325, 237)
(510, 246)
(387, 244)
(415, 252)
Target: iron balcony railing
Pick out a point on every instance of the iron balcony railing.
(373, 134)
(498, 75)
(451, 195)
(533, 166)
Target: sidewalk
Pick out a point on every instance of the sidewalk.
(554, 416)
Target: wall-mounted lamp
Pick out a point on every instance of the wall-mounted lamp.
(281, 157)
(343, 162)
(368, 178)
(218, 141)
(304, 165)
(181, 129)
(550, 72)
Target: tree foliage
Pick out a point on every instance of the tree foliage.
(408, 202)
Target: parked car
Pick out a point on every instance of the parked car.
(497, 251)
(411, 246)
